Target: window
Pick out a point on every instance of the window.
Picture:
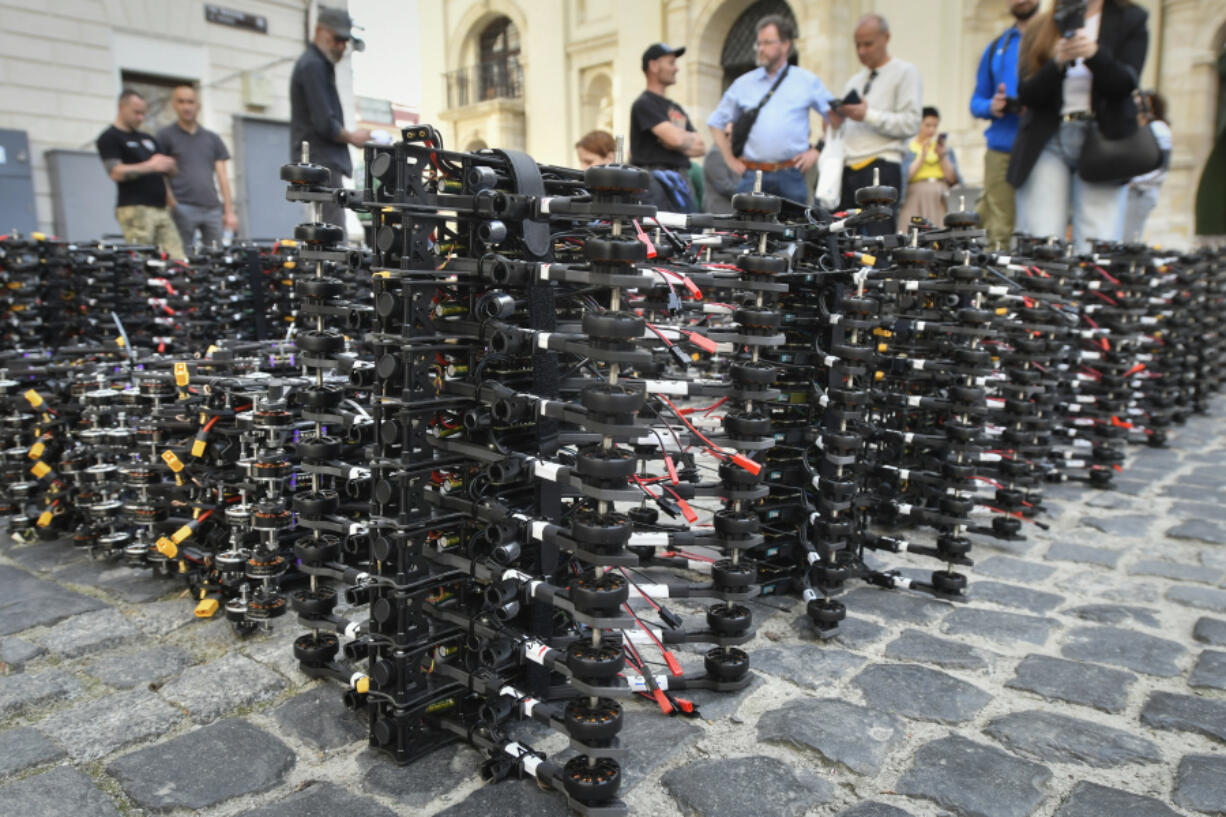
(498, 60)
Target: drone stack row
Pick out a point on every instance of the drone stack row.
(55, 293)
(533, 455)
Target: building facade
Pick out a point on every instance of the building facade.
(63, 64)
(538, 75)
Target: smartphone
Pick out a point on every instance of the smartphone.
(941, 138)
(852, 98)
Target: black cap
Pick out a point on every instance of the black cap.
(654, 52)
(339, 23)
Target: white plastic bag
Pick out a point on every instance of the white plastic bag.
(830, 172)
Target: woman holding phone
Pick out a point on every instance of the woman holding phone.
(929, 169)
(1075, 73)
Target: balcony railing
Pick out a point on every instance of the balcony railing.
(499, 79)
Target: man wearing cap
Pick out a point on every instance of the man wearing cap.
(316, 116)
(662, 139)
(779, 144)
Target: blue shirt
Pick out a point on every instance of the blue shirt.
(782, 129)
(998, 64)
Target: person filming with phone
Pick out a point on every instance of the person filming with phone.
(931, 170)
(1079, 143)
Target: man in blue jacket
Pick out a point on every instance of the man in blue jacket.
(995, 99)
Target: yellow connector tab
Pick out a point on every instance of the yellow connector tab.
(38, 236)
(198, 447)
(44, 519)
(362, 685)
(881, 347)
(207, 608)
(171, 459)
(119, 341)
(868, 260)
(182, 378)
(34, 398)
(1002, 310)
(36, 451)
(40, 469)
(288, 242)
(210, 350)
(182, 533)
(167, 548)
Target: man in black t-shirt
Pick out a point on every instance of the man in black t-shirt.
(139, 168)
(662, 139)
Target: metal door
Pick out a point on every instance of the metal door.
(260, 148)
(16, 183)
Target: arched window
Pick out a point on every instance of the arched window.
(498, 60)
(740, 50)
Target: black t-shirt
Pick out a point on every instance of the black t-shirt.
(649, 110)
(132, 148)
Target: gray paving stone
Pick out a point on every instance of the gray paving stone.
(1092, 800)
(133, 669)
(1110, 501)
(1072, 681)
(916, 645)
(1054, 738)
(319, 719)
(1174, 570)
(96, 728)
(1207, 475)
(1069, 552)
(1209, 511)
(89, 633)
(45, 556)
(872, 808)
(855, 736)
(29, 602)
(1186, 713)
(894, 606)
(1011, 595)
(920, 692)
(1114, 614)
(1124, 524)
(1107, 586)
(1129, 649)
(1018, 570)
(242, 759)
(808, 665)
(1200, 530)
(321, 799)
(128, 584)
(745, 787)
(1192, 493)
(1210, 631)
(27, 690)
(24, 747)
(1210, 670)
(209, 691)
(423, 780)
(1203, 598)
(63, 790)
(1200, 784)
(1004, 628)
(857, 633)
(974, 780)
(16, 652)
(652, 741)
(159, 618)
(1213, 558)
(511, 799)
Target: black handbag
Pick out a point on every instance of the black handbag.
(745, 122)
(1104, 160)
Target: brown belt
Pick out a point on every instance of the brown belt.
(767, 167)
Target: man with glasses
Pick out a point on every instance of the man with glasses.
(316, 116)
(778, 145)
(886, 114)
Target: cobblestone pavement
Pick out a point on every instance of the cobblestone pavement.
(1086, 677)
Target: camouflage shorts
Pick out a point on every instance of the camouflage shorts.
(142, 224)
